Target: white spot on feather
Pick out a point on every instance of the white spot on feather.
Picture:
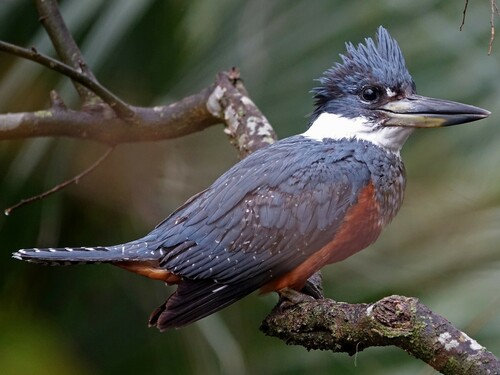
(390, 93)
(219, 288)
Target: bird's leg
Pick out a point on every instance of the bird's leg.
(313, 286)
(311, 291)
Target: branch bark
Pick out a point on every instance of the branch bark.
(396, 320)
(222, 102)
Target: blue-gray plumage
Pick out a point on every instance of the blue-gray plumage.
(287, 210)
(299, 207)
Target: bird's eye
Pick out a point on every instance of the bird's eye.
(370, 94)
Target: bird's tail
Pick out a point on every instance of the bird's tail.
(132, 251)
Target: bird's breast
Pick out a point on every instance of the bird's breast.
(361, 227)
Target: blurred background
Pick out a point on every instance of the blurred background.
(443, 247)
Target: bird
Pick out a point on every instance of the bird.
(279, 215)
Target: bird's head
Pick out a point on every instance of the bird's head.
(370, 95)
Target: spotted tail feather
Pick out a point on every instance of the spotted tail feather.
(132, 251)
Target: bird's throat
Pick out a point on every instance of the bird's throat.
(332, 126)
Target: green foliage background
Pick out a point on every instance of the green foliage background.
(443, 247)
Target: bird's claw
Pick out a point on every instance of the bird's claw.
(291, 297)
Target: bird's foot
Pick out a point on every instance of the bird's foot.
(311, 291)
(291, 297)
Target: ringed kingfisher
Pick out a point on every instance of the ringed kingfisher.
(281, 214)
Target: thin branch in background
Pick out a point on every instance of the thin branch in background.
(62, 185)
(463, 14)
(122, 109)
(494, 11)
(65, 45)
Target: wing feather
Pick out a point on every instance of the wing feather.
(307, 191)
(278, 207)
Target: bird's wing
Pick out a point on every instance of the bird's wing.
(272, 228)
(256, 223)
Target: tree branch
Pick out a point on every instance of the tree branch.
(65, 45)
(122, 109)
(396, 320)
(222, 102)
(246, 126)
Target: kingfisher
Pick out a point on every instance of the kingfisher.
(281, 214)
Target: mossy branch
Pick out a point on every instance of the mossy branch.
(396, 320)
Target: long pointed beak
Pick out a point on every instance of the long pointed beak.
(422, 112)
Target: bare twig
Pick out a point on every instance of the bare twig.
(463, 14)
(122, 109)
(494, 11)
(396, 320)
(62, 185)
(65, 45)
